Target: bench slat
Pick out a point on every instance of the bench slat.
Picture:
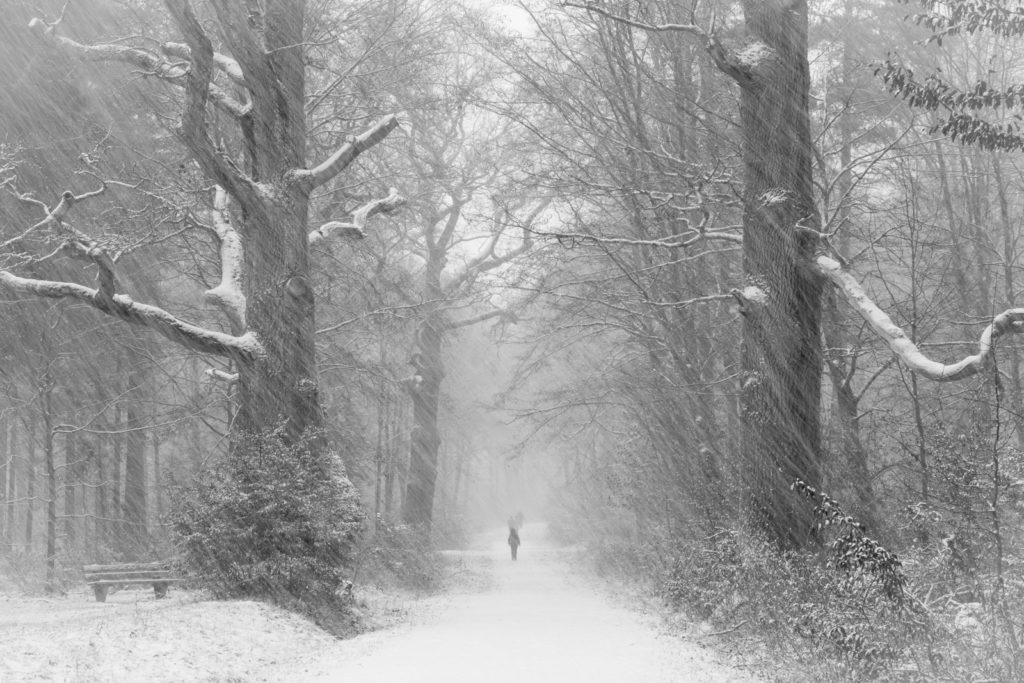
(126, 567)
(115, 582)
(126, 575)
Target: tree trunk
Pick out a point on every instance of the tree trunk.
(378, 453)
(101, 497)
(425, 390)
(157, 474)
(1010, 296)
(135, 460)
(30, 481)
(116, 479)
(7, 487)
(51, 486)
(70, 480)
(781, 349)
(853, 472)
(280, 388)
(390, 466)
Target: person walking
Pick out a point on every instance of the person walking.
(513, 540)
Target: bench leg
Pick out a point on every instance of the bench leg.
(160, 589)
(100, 592)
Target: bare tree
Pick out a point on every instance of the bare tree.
(455, 164)
(251, 90)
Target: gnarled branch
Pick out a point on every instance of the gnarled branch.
(228, 295)
(226, 64)
(245, 347)
(192, 130)
(356, 228)
(228, 378)
(145, 60)
(1010, 321)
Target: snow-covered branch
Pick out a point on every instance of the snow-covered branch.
(105, 297)
(346, 154)
(596, 8)
(245, 347)
(356, 228)
(226, 64)
(53, 218)
(228, 295)
(574, 238)
(1010, 321)
(739, 66)
(148, 62)
(76, 243)
(195, 79)
(228, 378)
(192, 130)
(240, 33)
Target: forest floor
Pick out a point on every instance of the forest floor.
(532, 620)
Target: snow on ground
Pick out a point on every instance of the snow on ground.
(538, 622)
(532, 620)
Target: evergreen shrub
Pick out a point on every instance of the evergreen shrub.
(272, 520)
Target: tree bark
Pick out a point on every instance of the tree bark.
(135, 503)
(781, 351)
(30, 481)
(425, 391)
(7, 487)
(71, 470)
(51, 484)
(101, 496)
(279, 388)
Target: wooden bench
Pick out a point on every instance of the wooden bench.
(102, 576)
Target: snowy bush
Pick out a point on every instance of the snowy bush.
(270, 520)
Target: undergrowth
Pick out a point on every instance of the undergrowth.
(850, 610)
(397, 556)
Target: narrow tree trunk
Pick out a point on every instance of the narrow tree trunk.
(391, 430)
(116, 468)
(101, 497)
(51, 487)
(7, 487)
(135, 462)
(781, 350)
(378, 454)
(70, 480)
(158, 497)
(460, 465)
(30, 481)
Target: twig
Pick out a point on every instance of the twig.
(728, 630)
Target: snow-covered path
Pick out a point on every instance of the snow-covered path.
(533, 621)
(537, 622)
